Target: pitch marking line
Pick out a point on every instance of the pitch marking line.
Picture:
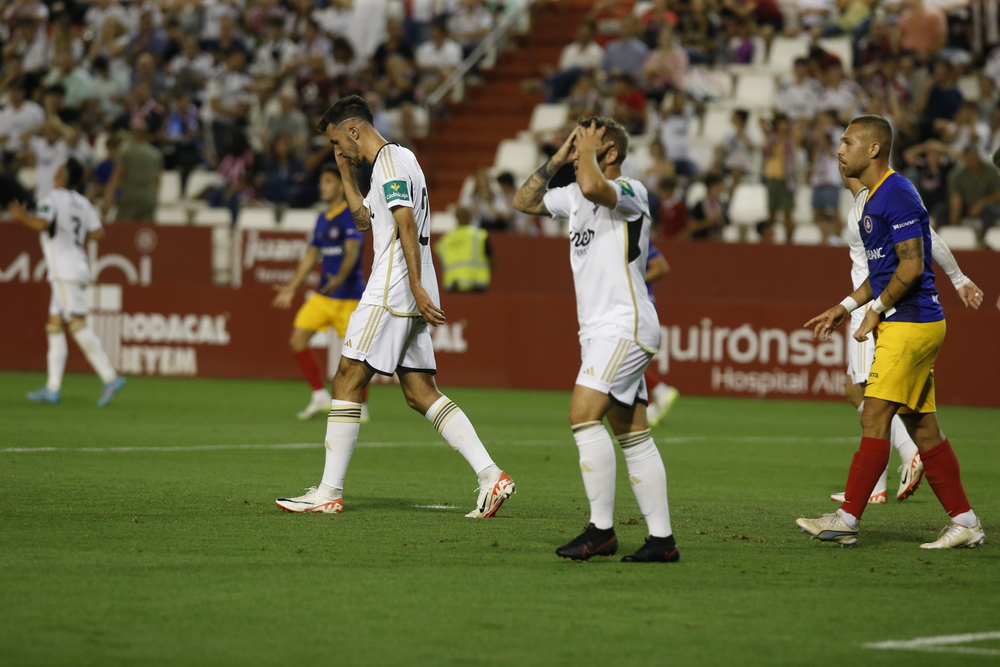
(942, 644)
(425, 443)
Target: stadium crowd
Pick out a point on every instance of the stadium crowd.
(664, 69)
(236, 86)
(131, 88)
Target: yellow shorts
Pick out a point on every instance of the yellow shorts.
(321, 312)
(903, 370)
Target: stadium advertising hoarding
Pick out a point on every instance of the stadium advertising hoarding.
(731, 315)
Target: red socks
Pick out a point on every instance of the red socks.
(941, 470)
(309, 363)
(866, 467)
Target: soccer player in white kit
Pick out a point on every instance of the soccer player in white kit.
(609, 225)
(860, 355)
(388, 333)
(65, 221)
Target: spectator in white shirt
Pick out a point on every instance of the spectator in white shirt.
(582, 55)
(798, 97)
(675, 133)
(47, 149)
(469, 23)
(841, 94)
(278, 55)
(17, 118)
(192, 67)
(437, 57)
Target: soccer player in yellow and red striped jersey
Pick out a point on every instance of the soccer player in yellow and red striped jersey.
(337, 243)
(910, 328)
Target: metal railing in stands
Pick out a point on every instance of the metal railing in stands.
(490, 42)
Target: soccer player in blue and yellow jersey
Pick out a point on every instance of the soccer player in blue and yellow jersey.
(909, 327)
(337, 243)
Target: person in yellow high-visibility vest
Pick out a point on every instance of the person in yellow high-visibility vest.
(465, 255)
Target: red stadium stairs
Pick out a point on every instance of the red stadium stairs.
(498, 108)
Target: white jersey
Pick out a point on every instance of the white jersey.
(608, 252)
(852, 234)
(71, 217)
(397, 180)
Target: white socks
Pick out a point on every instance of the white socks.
(455, 427)
(849, 519)
(597, 464)
(967, 519)
(648, 478)
(342, 426)
(94, 351)
(900, 439)
(56, 359)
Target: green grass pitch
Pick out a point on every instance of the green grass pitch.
(145, 538)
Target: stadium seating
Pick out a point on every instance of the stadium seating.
(749, 204)
(170, 188)
(992, 238)
(754, 90)
(548, 117)
(257, 218)
(517, 156)
(199, 180)
(842, 47)
(732, 233)
(807, 235)
(784, 51)
(212, 216)
(299, 220)
(958, 238)
(695, 193)
(803, 212)
(172, 215)
(443, 222)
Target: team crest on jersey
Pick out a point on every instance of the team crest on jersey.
(626, 187)
(868, 224)
(395, 190)
(333, 233)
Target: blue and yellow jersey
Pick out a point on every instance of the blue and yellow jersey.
(654, 252)
(892, 214)
(333, 228)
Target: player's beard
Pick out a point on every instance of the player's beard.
(352, 151)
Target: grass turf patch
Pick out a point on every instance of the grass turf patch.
(136, 555)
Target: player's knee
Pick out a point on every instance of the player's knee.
(76, 323)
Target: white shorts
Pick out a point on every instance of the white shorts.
(859, 355)
(387, 343)
(615, 366)
(69, 299)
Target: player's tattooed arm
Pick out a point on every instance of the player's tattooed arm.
(911, 265)
(529, 198)
(362, 218)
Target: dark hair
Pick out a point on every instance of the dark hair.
(879, 128)
(626, 79)
(55, 89)
(506, 178)
(713, 178)
(996, 159)
(613, 131)
(331, 168)
(763, 226)
(74, 174)
(100, 63)
(778, 117)
(352, 106)
(667, 183)
(742, 114)
(803, 62)
(18, 84)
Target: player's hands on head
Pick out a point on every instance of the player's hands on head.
(426, 307)
(345, 164)
(824, 324)
(18, 210)
(868, 325)
(566, 152)
(971, 295)
(591, 138)
(284, 296)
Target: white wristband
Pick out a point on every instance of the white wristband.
(850, 304)
(878, 306)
